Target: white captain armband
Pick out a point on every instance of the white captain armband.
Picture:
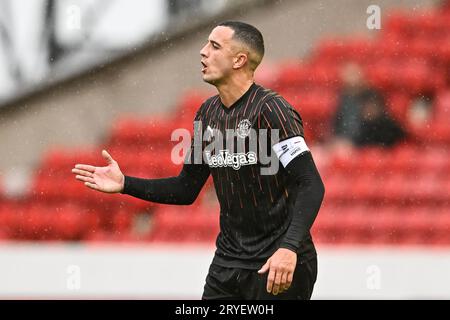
(288, 149)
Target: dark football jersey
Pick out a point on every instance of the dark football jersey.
(255, 193)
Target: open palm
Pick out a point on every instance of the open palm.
(107, 179)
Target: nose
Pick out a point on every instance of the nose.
(203, 51)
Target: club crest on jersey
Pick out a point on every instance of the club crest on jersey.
(243, 128)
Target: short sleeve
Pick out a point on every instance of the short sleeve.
(279, 115)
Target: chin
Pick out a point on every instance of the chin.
(209, 80)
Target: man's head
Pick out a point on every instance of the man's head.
(352, 75)
(232, 47)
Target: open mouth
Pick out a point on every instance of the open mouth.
(204, 66)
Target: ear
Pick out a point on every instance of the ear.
(240, 60)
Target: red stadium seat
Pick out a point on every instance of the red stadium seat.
(440, 135)
(396, 22)
(440, 234)
(442, 105)
(336, 51)
(338, 188)
(188, 105)
(184, 224)
(328, 226)
(312, 104)
(417, 226)
(291, 74)
(122, 221)
(398, 104)
(150, 132)
(8, 219)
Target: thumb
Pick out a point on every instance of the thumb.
(264, 268)
(107, 156)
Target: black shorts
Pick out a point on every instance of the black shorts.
(243, 284)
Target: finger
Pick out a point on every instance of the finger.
(84, 179)
(270, 280)
(283, 283)
(82, 172)
(290, 277)
(264, 268)
(107, 156)
(91, 185)
(85, 167)
(276, 284)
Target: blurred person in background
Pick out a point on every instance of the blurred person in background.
(361, 117)
(376, 126)
(420, 111)
(264, 248)
(419, 116)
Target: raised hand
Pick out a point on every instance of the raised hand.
(107, 179)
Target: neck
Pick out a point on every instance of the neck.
(232, 90)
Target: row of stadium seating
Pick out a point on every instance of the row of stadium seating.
(385, 225)
(401, 160)
(360, 223)
(405, 75)
(373, 196)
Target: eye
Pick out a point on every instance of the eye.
(215, 46)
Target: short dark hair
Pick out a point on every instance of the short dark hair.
(248, 35)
